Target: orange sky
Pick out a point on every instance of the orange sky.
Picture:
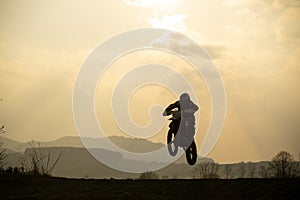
(254, 43)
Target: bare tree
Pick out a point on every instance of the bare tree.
(251, 170)
(2, 150)
(282, 165)
(294, 170)
(242, 170)
(227, 171)
(200, 170)
(264, 172)
(24, 164)
(205, 170)
(2, 131)
(40, 161)
(213, 170)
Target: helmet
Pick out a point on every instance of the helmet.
(184, 97)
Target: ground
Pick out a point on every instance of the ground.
(42, 187)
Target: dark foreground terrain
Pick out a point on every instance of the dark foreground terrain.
(42, 187)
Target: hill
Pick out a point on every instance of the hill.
(129, 144)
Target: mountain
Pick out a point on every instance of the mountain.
(130, 144)
(12, 145)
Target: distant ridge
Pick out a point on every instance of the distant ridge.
(130, 144)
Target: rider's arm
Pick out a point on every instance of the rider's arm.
(193, 108)
(171, 107)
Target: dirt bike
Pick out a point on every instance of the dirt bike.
(181, 136)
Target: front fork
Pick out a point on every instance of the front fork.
(183, 137)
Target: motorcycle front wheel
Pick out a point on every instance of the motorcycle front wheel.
(191, 154)
(172, 146)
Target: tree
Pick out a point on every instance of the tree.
(149, 175)
(294, 169)
(242, 170)
(24, 164)
(251, 169)
(200, 170)
(227, 171)
(2, 150)
(40, 161)
(283, 165)
(205, 170)
(264, 172)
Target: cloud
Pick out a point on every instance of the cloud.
(229, 3)
(240, 3)
(171, 22)
(148, 3)
(288, 29)
(37, 87)
(244, 11)
(282, 4)
(176, 43)
(181, 45)
(216, 51)
(176, 23)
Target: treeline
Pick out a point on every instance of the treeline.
(282, 165)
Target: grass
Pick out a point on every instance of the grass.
(45, 187)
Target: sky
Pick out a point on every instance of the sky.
(255, 45)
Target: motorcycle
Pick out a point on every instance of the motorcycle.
(181, 134)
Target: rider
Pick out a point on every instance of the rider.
(187, 108)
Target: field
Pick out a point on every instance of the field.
(42, 187)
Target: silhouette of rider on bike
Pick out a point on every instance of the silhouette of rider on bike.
(187, 109)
